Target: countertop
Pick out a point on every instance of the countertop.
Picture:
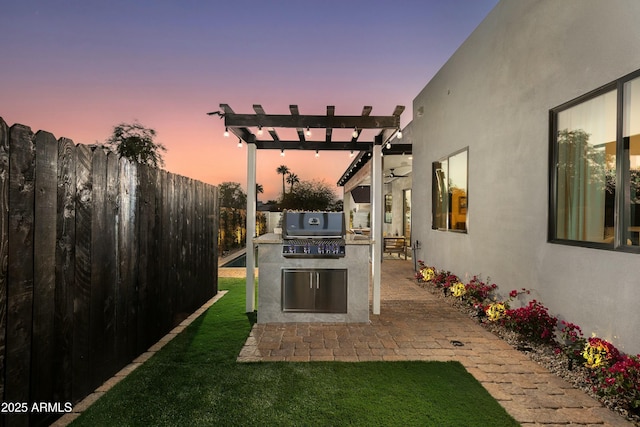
(272, 238)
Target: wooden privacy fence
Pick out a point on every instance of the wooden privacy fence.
(99, 258)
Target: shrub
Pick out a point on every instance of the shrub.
(458, 290)
(445, 279)
(598, 352)
(532, 322)
(478, 291)
(496, 311)
(572, 344)
(620, 381)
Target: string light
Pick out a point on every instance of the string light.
(226, 132)
(259, 130)
(282, 152)
(239, 143)
(317, 154)
(351, 154)
(388, 145)
(308, 131)
(355, 132)
(399, 134)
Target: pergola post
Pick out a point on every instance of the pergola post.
(376, 221)
(251, 227)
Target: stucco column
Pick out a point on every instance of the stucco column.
(251, 226)
(376, 221)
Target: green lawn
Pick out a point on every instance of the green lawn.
(194, 380)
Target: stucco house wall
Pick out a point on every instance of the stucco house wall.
(494, 96)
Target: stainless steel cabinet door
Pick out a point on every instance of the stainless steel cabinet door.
(314, 290)
(331, 291)
(298, 290)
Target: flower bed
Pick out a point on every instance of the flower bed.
(593, 365)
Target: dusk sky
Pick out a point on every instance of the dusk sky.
(76, 68)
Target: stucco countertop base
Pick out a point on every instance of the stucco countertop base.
(271, 263)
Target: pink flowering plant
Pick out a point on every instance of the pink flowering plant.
(478, 292)
(498, 309)
(439, 278)
(532, 322)
(572, 343)
(620, 381)
(445, 279)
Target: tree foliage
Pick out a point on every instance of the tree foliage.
(292, 179)
(136, 143)
(231, 195)
(283, 170)
(311, 196)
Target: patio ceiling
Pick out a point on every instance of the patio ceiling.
(395, 156)
(247, 127)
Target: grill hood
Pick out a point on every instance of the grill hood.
(296, 225)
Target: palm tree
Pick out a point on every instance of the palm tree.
(259, 190)
(292, 178)
(283, 170)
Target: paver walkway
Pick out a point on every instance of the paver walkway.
(415, 325)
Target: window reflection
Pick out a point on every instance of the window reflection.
(450, 203)
(586, 170)
(631, 143)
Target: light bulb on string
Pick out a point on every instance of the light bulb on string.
(226, 132)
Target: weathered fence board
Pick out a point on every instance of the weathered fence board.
(4, 239)
(65, 270)
(110, 270)
(145, 231)
(20, 270)
(42, 346)
(99, 258)
(82, 281)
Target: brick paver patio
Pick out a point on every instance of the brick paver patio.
(414, 325)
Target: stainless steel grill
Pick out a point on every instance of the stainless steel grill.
(313, 234)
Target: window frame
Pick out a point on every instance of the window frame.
(434, 193)
(621, 203)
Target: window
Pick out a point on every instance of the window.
(595, 168)
(450, 203)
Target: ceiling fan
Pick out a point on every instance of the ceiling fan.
(392, 175)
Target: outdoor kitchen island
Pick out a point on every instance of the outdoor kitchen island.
(322, 284)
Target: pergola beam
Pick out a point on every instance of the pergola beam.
(313, 122)
(314, 145)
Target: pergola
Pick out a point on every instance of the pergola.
(243, 127)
